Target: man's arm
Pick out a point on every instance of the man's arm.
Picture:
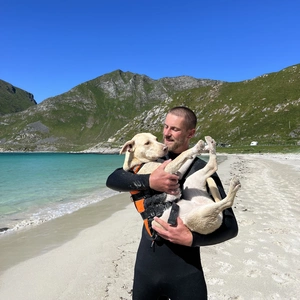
(124, 181)
(183, 236)
(159, 180)
(227, 231)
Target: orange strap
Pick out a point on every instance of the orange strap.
(139, 204)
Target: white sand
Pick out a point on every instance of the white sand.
(96, 264)
(263, 261)
(80, 260)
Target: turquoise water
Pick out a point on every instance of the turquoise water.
(35, 187)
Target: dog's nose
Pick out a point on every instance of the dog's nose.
(165, 148)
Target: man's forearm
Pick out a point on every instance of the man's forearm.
(227, 231)
(124, 181)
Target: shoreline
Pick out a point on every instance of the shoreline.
(37, 239)
(95, 262)
(92, 256)
(36, 216)
(45, 190)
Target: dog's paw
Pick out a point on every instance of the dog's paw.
(199, 147)
(235, 184)
(211, 144)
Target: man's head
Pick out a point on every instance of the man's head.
(179, 128)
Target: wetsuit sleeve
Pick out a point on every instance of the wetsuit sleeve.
(228, 229)
(124, 181)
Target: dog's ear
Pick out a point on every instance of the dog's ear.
(128, 146)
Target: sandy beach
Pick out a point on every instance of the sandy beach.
(90, 254)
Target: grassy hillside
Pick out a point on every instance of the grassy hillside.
(13, 99)
(265, 109)
(112, 108)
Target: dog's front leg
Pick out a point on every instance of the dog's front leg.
(197, 180)
(182, 162)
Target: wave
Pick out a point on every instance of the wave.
(38, 215)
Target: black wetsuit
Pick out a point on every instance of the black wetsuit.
(166, 269)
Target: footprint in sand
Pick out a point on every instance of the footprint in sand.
(253, 273)
(245, 222)
(215, 281)
(225, 267)
(281, 278)
(227, 253)
(248, 250)
(262, 256)
(262, 240)
(252, 242)
(250, 262)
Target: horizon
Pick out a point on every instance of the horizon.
(49, 48)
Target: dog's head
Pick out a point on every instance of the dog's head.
(142, 148)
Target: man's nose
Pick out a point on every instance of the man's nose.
(167, 132)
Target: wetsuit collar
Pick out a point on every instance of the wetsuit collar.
(171, 155)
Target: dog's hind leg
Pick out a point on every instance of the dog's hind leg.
(228, 200)
(206, 219)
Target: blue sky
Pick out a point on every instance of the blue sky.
(48, 47)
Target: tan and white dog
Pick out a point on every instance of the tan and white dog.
(200, 213)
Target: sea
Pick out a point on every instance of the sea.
(38, 187)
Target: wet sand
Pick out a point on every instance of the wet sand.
(90, 254)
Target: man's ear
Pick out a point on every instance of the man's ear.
(128, 146)
(191, 133)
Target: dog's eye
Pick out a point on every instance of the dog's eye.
(147, 143)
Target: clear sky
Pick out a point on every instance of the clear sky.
(48, 47)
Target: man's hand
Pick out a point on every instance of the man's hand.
(179, 234)
(162, 181)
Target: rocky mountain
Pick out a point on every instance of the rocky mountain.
(104, 112)
(13, 99)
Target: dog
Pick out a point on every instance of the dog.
(200, 214)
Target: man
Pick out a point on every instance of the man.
(171, 267)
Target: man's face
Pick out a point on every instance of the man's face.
(176, 135)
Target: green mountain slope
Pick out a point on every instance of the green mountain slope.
(13, 99)
(266, 109)
(108, 110)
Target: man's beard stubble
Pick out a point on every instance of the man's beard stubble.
(172, 145)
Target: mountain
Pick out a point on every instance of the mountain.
(110, 109)
(13, 99)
